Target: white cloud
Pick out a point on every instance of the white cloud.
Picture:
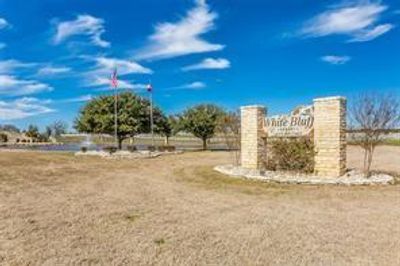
(23, 108)
(51, 71)
(368, 35)
(8, 66)
(12, 86)
(100, 76)
(209, 63)
(83, 25)
(189, 86)
(357, 20)
(3, 24)
(83, 98)
(335, 59)
(105, 66)
(195, 85)
(105, 84)
(182, 37)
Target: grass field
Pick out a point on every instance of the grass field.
(57, 209)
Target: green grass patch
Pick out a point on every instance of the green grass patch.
(394, 142)
(133, 216)
(208, 178)
(159, 241)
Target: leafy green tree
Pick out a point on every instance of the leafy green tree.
(133, 116)
(162, 127)
(202, 121)
(32, 132)
(167, 127)
(42, 137)
(3, 137)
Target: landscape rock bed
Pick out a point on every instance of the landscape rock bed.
(352, 177)
(125, 154)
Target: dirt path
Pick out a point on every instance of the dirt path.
(174, 210)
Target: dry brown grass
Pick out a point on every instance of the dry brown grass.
(174, 210)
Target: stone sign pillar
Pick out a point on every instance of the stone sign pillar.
(330, 136)
(252, 133)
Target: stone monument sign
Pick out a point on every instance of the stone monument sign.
(324, 121)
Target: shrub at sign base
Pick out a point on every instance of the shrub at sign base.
(291, 154)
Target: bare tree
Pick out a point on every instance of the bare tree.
(229, 127)
(373, 116)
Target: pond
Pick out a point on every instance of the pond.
(75, 147)
(72, 147)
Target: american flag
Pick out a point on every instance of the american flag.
(149, 87)
(114, 79)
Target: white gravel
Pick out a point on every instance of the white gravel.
(352, 177)
(125, 154)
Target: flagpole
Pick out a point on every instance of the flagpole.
(116, 116)
(151, 118)
(115, 84)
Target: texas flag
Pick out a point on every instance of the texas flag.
(149, 87)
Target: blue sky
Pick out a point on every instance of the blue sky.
(57, 54)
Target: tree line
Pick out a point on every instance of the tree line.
(54, 130)
(203, 121)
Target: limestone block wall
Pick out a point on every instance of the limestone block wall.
(330, 136)
(252, 133)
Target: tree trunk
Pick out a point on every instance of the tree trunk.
(204, 144)
(166, 141)
(369, 164)
(365, 170)
(370, 155)
(120, 143)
